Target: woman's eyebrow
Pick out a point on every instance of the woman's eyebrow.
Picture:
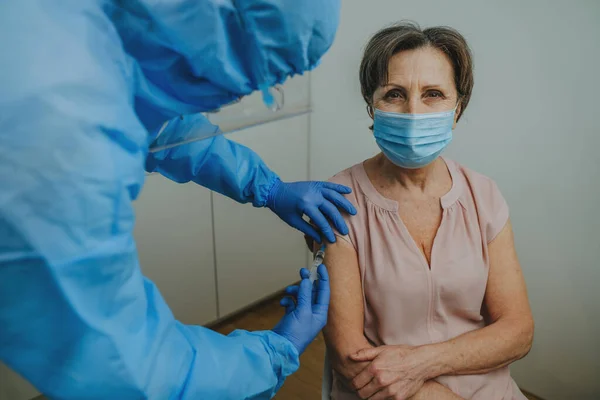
(433, 86)
(391, 85)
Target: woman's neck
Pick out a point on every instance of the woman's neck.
(410, 179)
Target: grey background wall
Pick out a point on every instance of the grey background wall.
(533, 126)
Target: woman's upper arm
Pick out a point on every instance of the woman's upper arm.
(506, 292)
(344, 333)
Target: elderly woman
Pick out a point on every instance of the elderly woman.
(428, 299)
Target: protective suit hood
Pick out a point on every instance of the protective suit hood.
(193, 56)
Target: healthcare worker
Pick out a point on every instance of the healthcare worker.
(84, 88)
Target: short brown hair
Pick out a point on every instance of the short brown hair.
(409, 36)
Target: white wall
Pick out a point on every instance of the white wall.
(533, 125)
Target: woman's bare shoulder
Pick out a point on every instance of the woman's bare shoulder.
(482, 196)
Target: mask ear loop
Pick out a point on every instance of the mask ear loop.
(371, 114)
(370, 111)
(458, 103)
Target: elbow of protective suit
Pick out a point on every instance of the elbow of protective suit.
(242, 365)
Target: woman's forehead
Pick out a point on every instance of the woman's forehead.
(426, 65)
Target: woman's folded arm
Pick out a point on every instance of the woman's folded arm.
(509, 335)
(344, 333)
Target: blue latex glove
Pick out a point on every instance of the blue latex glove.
(318, 200)
(307, 315)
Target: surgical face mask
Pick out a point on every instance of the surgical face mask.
(413, 140)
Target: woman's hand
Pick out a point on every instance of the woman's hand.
(395, 372)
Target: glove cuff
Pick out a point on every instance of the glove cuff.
(272, 193)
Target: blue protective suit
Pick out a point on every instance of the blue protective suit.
(83, 86)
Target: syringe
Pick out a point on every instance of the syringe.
(317, 260)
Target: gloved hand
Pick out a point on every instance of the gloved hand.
(305, 317)
(318, 200)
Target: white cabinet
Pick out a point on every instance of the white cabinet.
(175, 244)
(207, 272)
(257, 254)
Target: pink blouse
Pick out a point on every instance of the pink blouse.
(406, 302)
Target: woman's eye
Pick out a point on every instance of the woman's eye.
(393, 94)
(435, 94)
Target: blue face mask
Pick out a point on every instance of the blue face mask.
(412, 140)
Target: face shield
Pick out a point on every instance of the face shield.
(247, 112)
